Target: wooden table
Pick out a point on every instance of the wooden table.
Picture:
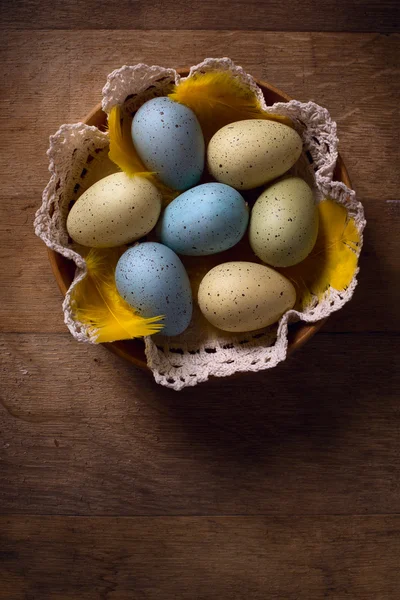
(281, 485)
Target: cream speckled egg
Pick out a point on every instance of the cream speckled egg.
(284, 223)
(114, 211)
(249, 153)
(244, 296)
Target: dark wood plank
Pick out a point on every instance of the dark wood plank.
(271, 15)
(64, 81)
(83, 432)
(295, 470)
(354, 75)
(224, 557)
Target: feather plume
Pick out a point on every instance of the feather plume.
(218, 98)
(123, 153)
(99, 307)
(333, 260)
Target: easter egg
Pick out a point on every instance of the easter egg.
(244, 296)
(153, 280)
(114, 211)
(249, 153)
(284, 223)
(169, 140)
(205, 220)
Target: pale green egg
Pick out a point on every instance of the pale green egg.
(284, 223)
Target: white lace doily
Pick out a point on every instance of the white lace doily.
(78, 156)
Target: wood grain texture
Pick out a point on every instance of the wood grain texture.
(64, 81)
(270, 15)
(354, 75)
(279, 485)
(85, 433)
(238, 558)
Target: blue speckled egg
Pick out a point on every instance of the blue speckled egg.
(207, 219)
(169, 140)
(153, 280)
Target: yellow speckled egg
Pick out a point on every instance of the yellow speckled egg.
(284, 223)
(249, 153)
(114, 211)
(244, 296)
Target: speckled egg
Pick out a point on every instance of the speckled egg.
(114, 211)
(284, 223)
(169, 140)
(244, 296)
(152, 279)
(205, 220)
(249, 153)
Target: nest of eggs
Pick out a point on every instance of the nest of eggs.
(199, 222)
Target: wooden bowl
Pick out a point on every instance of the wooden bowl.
(133, 350)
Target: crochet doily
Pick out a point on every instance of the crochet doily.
(78, 156)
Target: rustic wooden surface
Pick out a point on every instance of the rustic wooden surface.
(282, 485)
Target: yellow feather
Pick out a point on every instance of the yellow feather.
(100, 308)
(333, 261)
(218, 98)
(167, 193)
(123, 152)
